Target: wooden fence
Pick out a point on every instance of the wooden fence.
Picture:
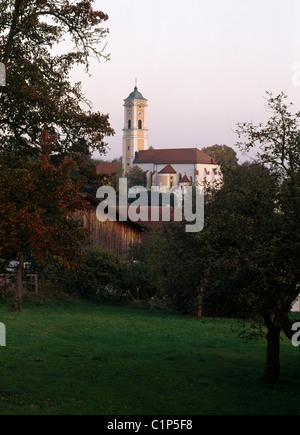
(30, 281)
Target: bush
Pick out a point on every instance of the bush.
(138, 280)
(102, 272)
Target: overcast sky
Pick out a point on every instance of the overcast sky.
(203, 66)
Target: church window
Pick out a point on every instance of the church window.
(140, 124)
(129, 124)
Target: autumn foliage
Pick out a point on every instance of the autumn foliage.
(37, 201)
(46, 126)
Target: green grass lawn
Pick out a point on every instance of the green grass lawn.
(79, 357)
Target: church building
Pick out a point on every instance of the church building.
(135, 131)
(165, 168)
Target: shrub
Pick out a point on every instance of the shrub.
(102, 272)
(138, 280)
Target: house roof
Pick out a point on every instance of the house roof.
(173, 156)
(168, 170)
(107, 168)
(184, 179)
(135, 95)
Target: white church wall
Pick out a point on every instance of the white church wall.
(182, 170)
(208, 172)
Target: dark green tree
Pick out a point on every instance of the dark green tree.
(136, 177)
(175, 259)
(252, 227)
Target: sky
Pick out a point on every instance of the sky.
(203, 66)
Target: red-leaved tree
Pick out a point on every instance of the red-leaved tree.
(37, 203)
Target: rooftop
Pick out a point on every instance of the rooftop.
(108, 168)
(173, 156)
(184, 179)
(168, 170)
(135, 95)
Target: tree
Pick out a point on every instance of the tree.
(223, 154)
(136, 177)
(116, 174)
(252, 228)
(39, 97)
(37, 201)
(39, 94)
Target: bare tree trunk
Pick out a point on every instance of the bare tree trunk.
(18, 291)
(200, 299)
(272, 370)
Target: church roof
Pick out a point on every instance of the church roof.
(184, 179)
(168, 170)
(174, 156)
(135, 95)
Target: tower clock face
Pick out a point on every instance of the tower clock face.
(140, 113)
(129, 113)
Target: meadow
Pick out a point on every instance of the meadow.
(79, 357)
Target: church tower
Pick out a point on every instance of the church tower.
(135, 132)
